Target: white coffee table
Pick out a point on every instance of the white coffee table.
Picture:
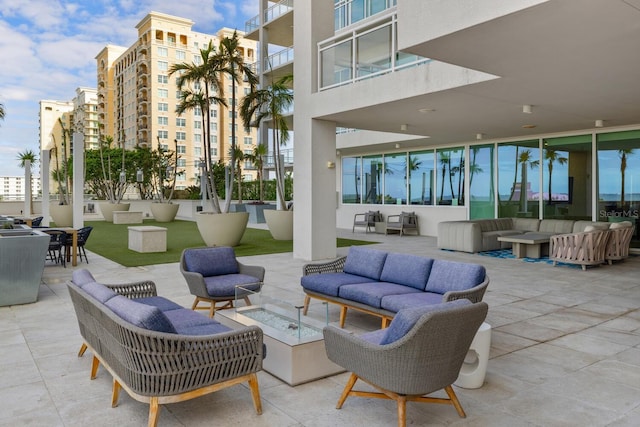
(531, 245)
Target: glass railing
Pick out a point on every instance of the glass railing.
(270, 14)
(278, 59)
(348, 12)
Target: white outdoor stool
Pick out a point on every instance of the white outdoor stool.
(474, 368)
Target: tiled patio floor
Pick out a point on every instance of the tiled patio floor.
(565, 352)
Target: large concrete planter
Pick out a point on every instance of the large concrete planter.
(256, 212)
(62, 215)
(280, 224)
(22, 258)
(164, 212)
(107, 209)
(223, 229)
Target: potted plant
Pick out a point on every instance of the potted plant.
(163, 181)
(114, 183)
(271, 103)
(201, 87)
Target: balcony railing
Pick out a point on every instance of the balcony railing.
(348, 12)
(271, 13)
(278, 59)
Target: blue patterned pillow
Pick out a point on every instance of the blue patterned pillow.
(211, 261)
(406, 318)
(365, 262)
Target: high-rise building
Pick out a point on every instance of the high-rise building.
(137, 98)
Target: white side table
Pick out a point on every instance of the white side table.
(474, 368)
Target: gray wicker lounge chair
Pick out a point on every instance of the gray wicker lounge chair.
(409, 360)
(213, 273)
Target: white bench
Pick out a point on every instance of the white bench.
(147, 238)
(127, 217)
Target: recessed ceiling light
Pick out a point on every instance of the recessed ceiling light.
(528, 126)
(427, 110)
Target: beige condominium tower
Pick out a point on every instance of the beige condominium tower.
(137, 97)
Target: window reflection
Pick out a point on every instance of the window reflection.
(421, 179)
(395, 178)
(450, 176)
(351, 168)
(372, 179)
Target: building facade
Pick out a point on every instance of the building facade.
(459, 110)
(137, 98)
(13, 187)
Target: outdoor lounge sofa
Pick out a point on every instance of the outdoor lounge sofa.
(381, 283)
(158, 351)
(482, 234)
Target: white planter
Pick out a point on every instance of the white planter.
(107, 208)
(223, 229)
(280, 224)
(62, 215)
(164, 212)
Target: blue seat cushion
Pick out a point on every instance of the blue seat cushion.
(329, 283)
(141, 315)
(365, 262)
(188, 322)
(454, 276)
(225, 285)
(211, 261)
(161, 302)
(99, 291)
(82, 277)
(406, 318)
(395, 303)
(405, 269)
(372, 293)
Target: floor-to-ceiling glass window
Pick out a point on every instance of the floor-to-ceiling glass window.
(374, 51)
(421, 179)
(395, 178)
(518, 179)
(450, 176)
(566, 176)
(351, 188)
(619, 178)
(481, 188)
(372, 173)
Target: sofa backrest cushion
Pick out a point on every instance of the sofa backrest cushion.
(82, 277)
(526, 224)
(405, 269)
(621, 224)
(99, 291)
(556, 226)
(494, 224)
(406, 318)
(365, 262)
(215, 261)
(454, 276)
(580, 226)
(140, 315)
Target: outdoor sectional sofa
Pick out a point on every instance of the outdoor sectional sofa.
(158, 351)
(381, 283)
(482, 234)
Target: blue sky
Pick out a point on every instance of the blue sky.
(48, 49)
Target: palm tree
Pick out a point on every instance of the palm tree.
(230, 62)
(271, 102)
(196, 83)
(239, 157)
(552, 156)
(1, 111)
(445, 161)
(257, 158)
(525, 158)
(623, 153)
(31, 157)
(61, 173)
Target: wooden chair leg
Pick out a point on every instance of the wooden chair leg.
(195, 303)
(247, 301)
(307, 301)
(94, 367)
(343, 315)
(454, 400)
(347, 389)
(115, 393)
(402, 411)
(255, 393)
(154, 411)
(83, 348)
(212, 309)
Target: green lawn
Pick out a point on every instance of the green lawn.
(112, 241)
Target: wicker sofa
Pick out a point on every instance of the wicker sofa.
(381, 283)
(482, 234)
(158, 351)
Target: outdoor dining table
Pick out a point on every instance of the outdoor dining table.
(73, 232)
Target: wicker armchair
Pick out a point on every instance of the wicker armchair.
(425, 358)
(366, 220)
(620, 235)
(585, 248)
(403, 223)
(213, 274)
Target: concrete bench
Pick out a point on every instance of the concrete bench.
(127, 217)
(147, 238)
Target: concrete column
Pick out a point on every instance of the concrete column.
(45, 157)
(78, 180)
(26, 211)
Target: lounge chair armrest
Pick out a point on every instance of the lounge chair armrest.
(196, 284)
(141, 289)
(474, 294)
(393, 218)
(252, 270)
(334, 266)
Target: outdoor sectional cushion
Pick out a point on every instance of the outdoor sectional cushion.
(365, 262)
(329, 283)
(454, 276)
(82, 277)
(188, 322)
(371, 294)
(162, 303)
(395, 303)
(141, 315)
(225, 285)
(409, 270)
(99, 291)
(199, 261)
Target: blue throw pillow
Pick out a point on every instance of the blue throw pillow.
(140, 315)
(408, 270)
(82, 277)
(406, 318)
(448, 276)
(211, 261)
(99, 291)
(365, 262)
